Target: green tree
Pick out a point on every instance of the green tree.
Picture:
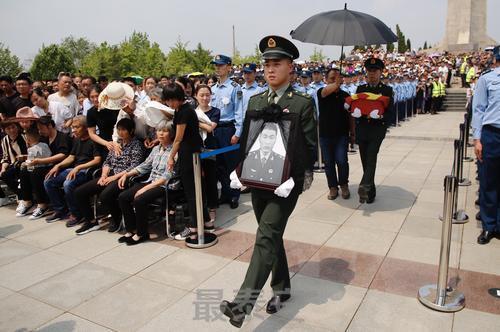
(401, 40)
(201, 58)
(154, 61)
(317, 55)
(425, 45)
(9, 63)
(390, 47)
(178, 60)
(79, 48)
(132, 53)
(50, 61)
(408, 44)
(104, 60)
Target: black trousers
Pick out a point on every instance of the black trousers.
(11, 179)
(32, 184)
(187, 178)
(108, 196)
(269, 256)
(370, 138)
(211, 193)
(135, 209)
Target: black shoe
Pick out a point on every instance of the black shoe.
(73, 221)
(478, 216)
(234, 203)
(363, 194)
(131, 242)
(235, 314)
(88, 227)
(56, 216)
(274, 304)
(124, 238)
(485, 237)
(113, 228)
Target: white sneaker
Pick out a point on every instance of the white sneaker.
(20, 206)
(38, 213)
(24, 210)
(184, 234)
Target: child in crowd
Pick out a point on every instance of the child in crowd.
(36, 149)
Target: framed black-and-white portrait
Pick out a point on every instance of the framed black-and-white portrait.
(265, 143)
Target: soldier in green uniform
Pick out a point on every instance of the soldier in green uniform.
(272, 211)
(265, 165)
(371, 132)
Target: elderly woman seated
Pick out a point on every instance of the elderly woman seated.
(115, 165)
(134, 201)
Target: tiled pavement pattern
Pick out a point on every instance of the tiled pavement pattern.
(355, 267)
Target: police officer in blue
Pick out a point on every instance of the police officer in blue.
(250, 87)
(486, 133)
(348, 86)
(305, 83)
(228, 97)
(317, 79)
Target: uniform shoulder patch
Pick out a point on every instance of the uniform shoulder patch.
(302, 94)
(260, 93)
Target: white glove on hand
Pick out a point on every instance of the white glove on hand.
(308, 180)
(285, 188)
(235, 182)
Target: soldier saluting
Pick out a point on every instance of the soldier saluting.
(272, 211)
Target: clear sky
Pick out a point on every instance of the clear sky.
(28, 24)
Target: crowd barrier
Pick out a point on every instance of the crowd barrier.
(204, 239)
(440, 296)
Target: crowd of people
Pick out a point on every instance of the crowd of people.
(68, 139)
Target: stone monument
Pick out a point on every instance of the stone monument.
(466, 26)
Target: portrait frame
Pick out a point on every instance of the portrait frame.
(257, 141)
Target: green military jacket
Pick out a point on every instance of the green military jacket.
(303, 105)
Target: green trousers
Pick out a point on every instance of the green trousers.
(369, 139)
(269, 255)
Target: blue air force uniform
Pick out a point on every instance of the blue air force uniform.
(227, 96)
(486, 129)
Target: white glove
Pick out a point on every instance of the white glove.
(308, 180)
(235, 182)
(285, 188)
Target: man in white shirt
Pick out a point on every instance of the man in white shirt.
(65, 95)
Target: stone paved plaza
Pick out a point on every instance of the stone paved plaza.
(354, 267)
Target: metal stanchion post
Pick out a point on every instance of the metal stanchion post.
(461, 180)
(397, 114)
(203, 240)
(438, 296)
(459, 216)
(413, 112)
(467, 130)
(465, 138)
(321, 167)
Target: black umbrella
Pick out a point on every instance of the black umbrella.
(343, 27)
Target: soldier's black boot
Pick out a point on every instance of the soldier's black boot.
(363, 194)
(234, 312)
